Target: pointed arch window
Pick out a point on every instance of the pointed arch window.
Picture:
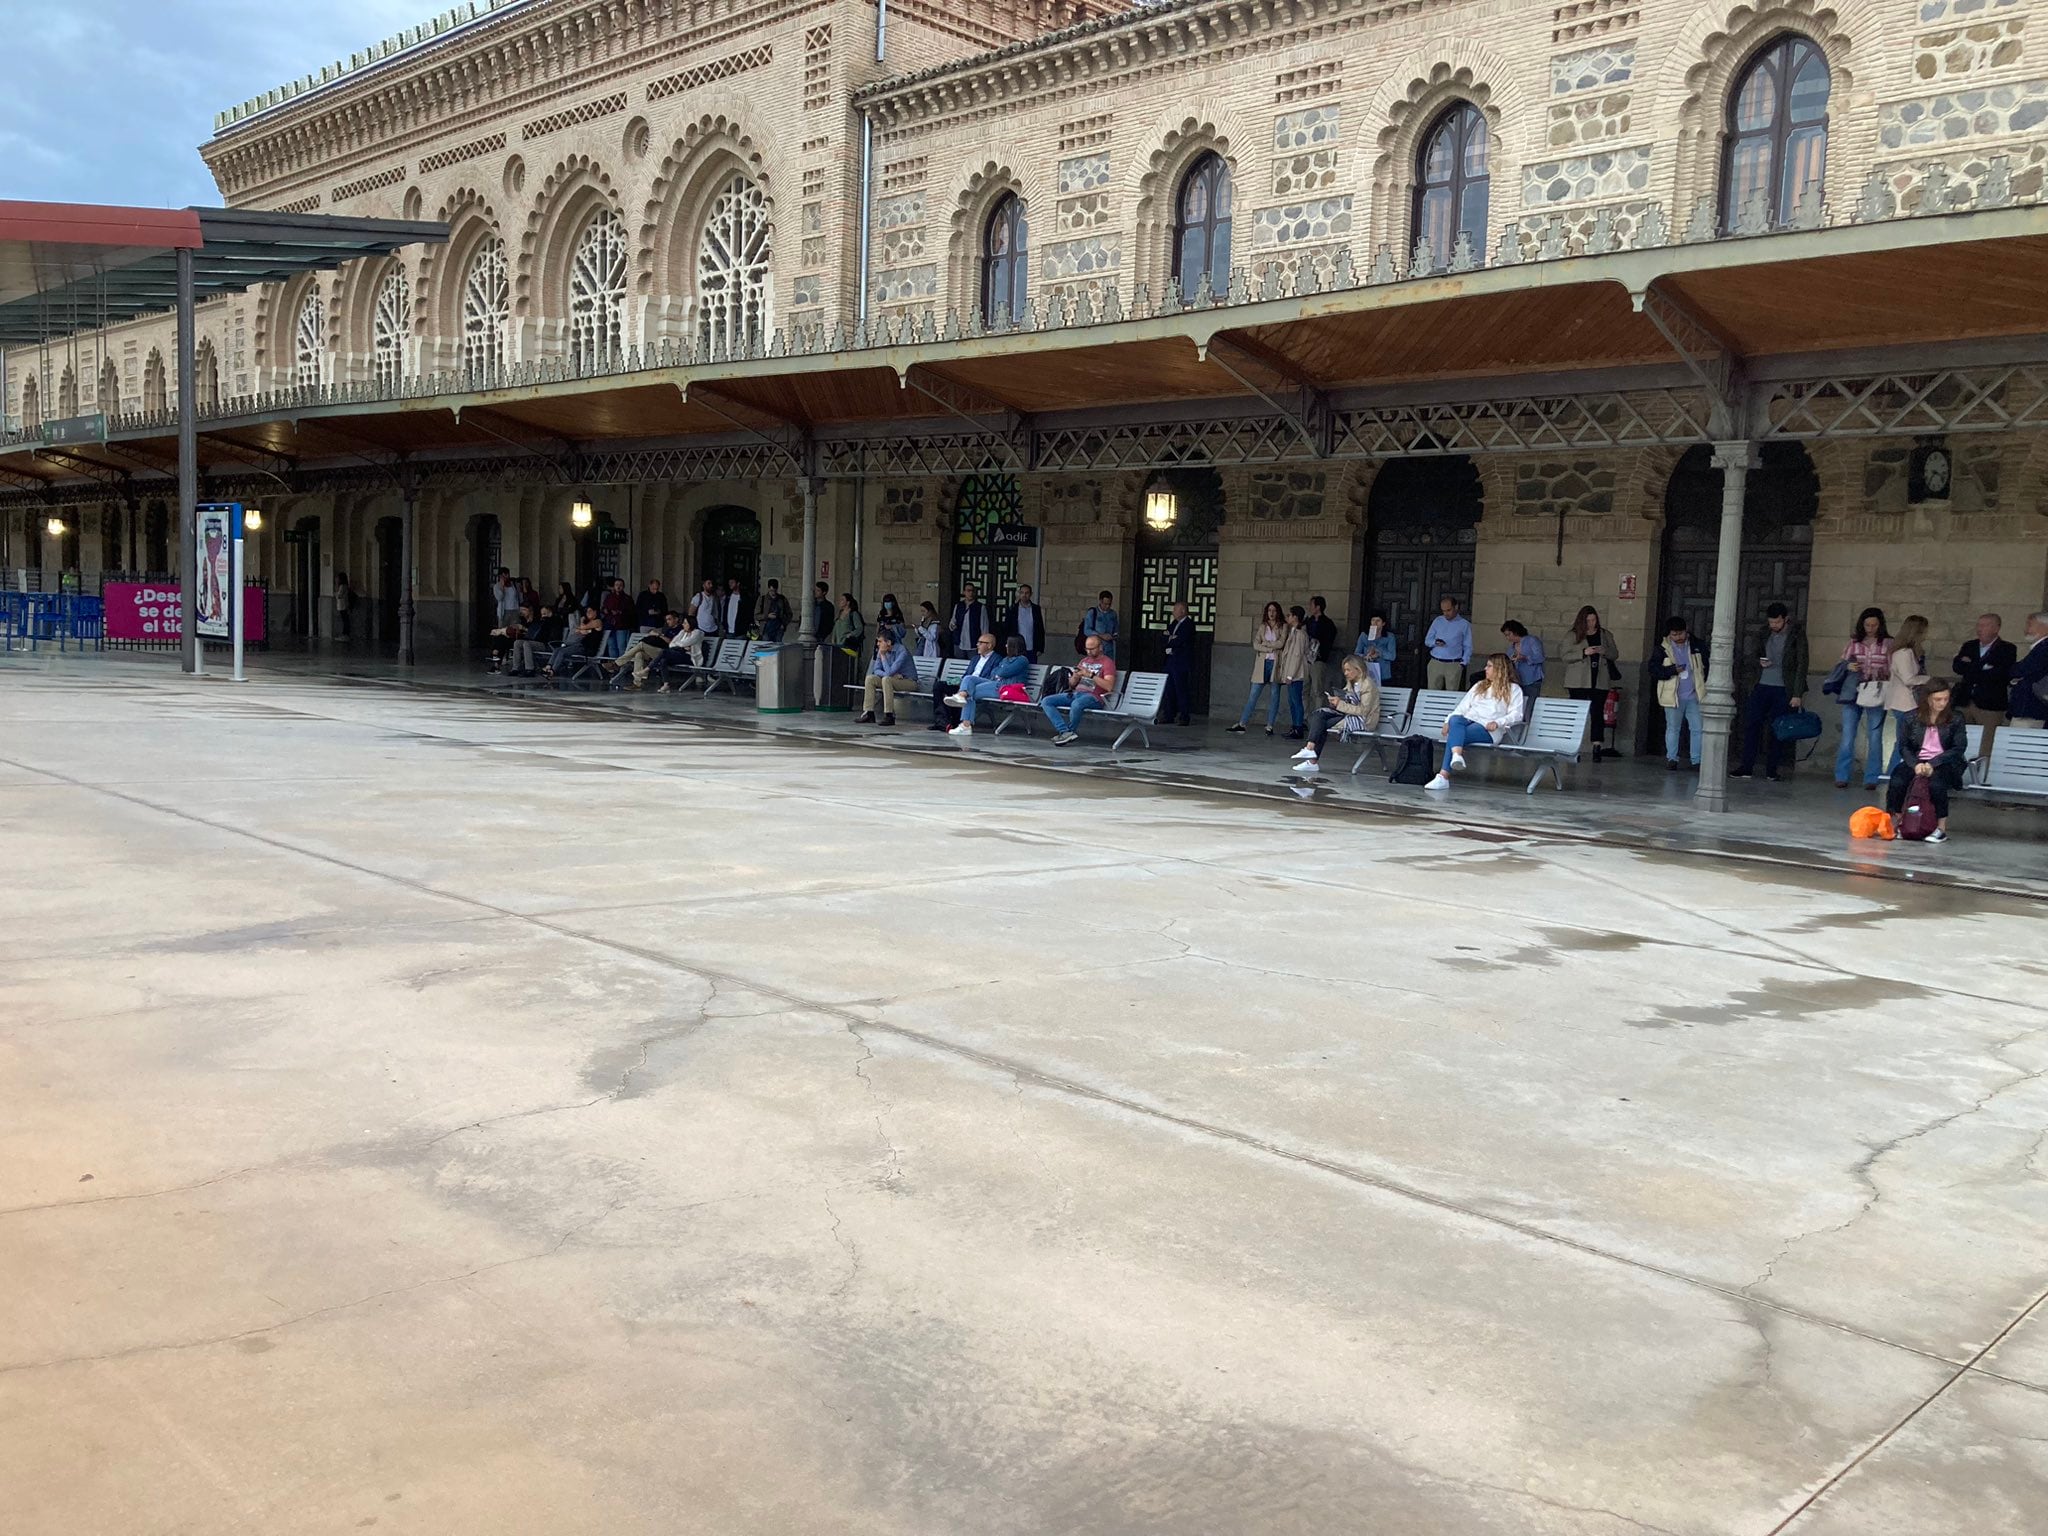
(732, 270)
(1452, 183)
(1201, 227)
(110, 387)
(1005, 261)
(67, 394)
(31, 405)
(309, 342)
(390, 325)
(486, 302)
(597, 293)
(206, 377)
(155, 391)
(1776, 149)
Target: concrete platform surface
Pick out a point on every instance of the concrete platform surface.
(429, 1113)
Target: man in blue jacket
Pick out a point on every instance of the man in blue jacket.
(893, 671)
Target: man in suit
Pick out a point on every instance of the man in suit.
(1180, 667)
(1026, 621)
(970, 620)
(944, 715)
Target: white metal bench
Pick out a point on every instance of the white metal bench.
(1395, 705)
(2018, 765)
(1974, 764)
(929, 670)
(731, 664)
(1554, 731)
(1431, 708)
(1135, 705)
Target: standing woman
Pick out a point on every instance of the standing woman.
(1592, 665)
(1376, 648)
(1526, 652)
(1294, 649)
(1868, 656)
(1936, 746)
(928, 630)
(1268, 635)
(1907, 671)
(848, 628)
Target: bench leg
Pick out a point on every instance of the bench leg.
(1135, 728)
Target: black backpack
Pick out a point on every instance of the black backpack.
(1418, 761)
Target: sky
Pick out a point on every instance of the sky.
(107, 101)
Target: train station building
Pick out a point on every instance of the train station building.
(1654, 306)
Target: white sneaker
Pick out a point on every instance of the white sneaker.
(962, 729)
(1937, 836)
(955, 700)
(1457, 762)
(1305, 752)
(1439, 782)
(1307, 765)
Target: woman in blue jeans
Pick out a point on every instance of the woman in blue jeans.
(1269, 635)
(1868, 655)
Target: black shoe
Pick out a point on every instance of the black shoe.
(1269, 730)
(888, 719)
(1183, 722)
(1671, 765)
(1772, 777)
(1237, 730)
(867, 717)
(1291, 735)
(1596, 754)
(1741, 773)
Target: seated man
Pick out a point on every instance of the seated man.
(1015, 667)
(893, 671)
(947, 698)
(1092, 682)
(646, 650)
(512, 646)
(678, 656)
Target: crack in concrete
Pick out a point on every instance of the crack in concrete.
(132, 1351)
(852, 1248)
(150, 1194)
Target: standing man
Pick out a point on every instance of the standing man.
(1179, 702)
(1983, 669)
(946, 714)
(771, 613)
(1322, 645)
(2027, 701)
(1449, 643)
(821, 610)
(1101, 622)
(736, 608)
(1027, 623)
(652, 606)
(617, 611)
(705, 608)
(506, 595)
(969, 622)
(1780, 688)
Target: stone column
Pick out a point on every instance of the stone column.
(1717, 707)
(808, 632)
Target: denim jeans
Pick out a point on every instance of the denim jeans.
(615, 642)
(1461, 733)
(1767, 701)
(1906, 720)
(975, 691)
(1294, 703)
(1872, 720)
(1251, 703)
(1684, 712)
(1065, 710)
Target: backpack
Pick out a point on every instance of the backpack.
(1418, 761)
(1917, 818)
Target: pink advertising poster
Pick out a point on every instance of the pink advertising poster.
(148, 610)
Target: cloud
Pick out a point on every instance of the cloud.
(107, 100)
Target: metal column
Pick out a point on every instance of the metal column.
(1717, 706)
(808, 634)
(191, 657)
(411, 556)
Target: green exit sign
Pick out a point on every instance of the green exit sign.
(610, 533)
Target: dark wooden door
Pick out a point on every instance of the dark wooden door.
(306, 577)
(1407, 581)
(390, 575)
(1166, 577)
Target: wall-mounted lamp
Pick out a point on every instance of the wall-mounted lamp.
(1162, 505)
(252, 519)
(580, 514)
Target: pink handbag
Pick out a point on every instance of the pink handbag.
(1014, 693)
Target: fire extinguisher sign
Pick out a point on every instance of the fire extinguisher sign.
(1628, 589)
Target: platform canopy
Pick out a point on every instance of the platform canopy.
(70, 267)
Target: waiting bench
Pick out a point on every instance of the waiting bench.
(1430, 708)
(1135, 706)
(2018, 765)
(1555, 731)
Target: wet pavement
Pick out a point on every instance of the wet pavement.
(438, 1112)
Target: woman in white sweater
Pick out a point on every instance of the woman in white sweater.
(1493, 707)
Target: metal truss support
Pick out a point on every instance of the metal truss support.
(1710, 355)
(782, 434)
(91, 469)
(981, 412)
(1303, 402)
(278, 466)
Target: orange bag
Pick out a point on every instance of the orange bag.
(1871, 822)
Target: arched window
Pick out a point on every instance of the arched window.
(486, 300)
(1776, 150)
(1451, 183)
(67, 394)
(206, 377)
(597, 293)
(1005, 261)
(732, 270)
(390, 325)
(1201, 227)
(155, 393)
(110, 387)
(309, 342)
(31, 405)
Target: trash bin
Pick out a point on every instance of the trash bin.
(831, 672)
(779, 678)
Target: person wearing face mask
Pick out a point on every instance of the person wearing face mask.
(1376, 648)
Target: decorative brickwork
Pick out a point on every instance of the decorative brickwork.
(1083, 173)
(1592, 69)
(1932, 11)
(1985, 113)
(1582, 487)
(301, 205)
(1970, 50)
(903, 505)
(2025, 164)
(902, 175)
(348, 189)
(1080, 258)
(1573, 229)
(1294, 497)
(474, 149)
(905, 283)
(1301, 223)
(1585, 177)
(1086, 133)
(818, 67)
(588, 112)
(1589, 120)
(1324, 79)
(1592, 18)
(805, 290)
(1088, 212)
(1294, 131)
(716, 69)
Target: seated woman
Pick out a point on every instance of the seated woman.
(1934, 747)
(582, 639)
(1015, 667)
(1490, 709)
(1352, 711)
